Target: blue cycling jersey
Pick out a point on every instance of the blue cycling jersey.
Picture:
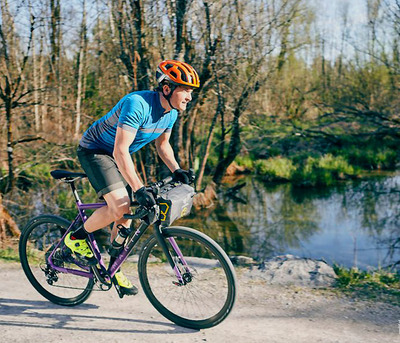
(139, 112)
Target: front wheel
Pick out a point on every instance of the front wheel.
(39, 238)
(206, 296)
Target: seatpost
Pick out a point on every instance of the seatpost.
(74, 191)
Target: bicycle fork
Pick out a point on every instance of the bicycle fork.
(184, 278)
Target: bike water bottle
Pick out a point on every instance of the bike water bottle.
(118, 241)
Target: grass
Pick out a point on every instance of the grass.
(9, 253)
(313, 171)
(380, 285)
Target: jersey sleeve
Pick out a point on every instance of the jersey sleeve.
(174, 116)
(131, 116)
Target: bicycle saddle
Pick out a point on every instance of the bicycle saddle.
(65, 174)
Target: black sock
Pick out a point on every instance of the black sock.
(80, 233)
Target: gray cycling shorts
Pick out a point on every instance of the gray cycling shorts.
(102, 171)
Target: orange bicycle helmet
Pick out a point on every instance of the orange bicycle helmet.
(178, 73)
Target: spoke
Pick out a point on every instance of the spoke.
(202, 297)
(41, 239)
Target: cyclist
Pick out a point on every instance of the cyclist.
(106, 147)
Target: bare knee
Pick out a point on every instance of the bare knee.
(118, 203)
(118, 211)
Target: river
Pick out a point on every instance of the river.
(352, 224)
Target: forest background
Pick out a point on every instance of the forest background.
(291, 90)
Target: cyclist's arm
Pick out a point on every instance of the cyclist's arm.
(123, 140)
(164, 150)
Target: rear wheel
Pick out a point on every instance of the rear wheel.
(207, 294)
(38, 240)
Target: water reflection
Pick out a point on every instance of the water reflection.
(354, 224)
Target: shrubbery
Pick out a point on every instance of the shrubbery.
(275, 169)
(313, 171)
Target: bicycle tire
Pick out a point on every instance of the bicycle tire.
(212, 272)
(37, 239)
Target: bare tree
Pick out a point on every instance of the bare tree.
(81, 66)
(11, 72)
(56, 51)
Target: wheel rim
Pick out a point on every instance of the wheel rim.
(207, 297)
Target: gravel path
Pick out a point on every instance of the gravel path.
(263, 313)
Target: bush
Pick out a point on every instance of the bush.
(245, 161)
(371, 158)
(275, 169)
(324, 170)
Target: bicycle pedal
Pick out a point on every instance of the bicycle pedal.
(118, 289)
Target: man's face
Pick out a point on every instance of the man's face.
(181, 96)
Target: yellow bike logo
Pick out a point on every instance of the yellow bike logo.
(164, 213)
(184, 211)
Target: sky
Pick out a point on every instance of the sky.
(330, 21)
(329, 15)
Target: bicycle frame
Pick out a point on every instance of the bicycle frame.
(133, 239)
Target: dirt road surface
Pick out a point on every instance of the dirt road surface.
(263, 313)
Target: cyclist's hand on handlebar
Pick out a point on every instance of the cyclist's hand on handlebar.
(144, 197)
(184, 176)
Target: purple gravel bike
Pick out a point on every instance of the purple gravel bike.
(185, 274)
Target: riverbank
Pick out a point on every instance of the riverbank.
(263, 312)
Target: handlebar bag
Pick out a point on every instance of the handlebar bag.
(175, 202)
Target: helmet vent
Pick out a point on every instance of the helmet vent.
(183, 75)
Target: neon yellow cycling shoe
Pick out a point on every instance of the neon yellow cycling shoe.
(80, 248)
(124, 284)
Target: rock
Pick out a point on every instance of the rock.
(293, 270)
(242, 260)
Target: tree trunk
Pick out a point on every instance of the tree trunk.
(233, 151)
(189, 132)
(35, 82)
(99, 39)
(144, 64)
(9, 87)
(43, 93)
(207, 152)
(81, 61)
(235, 143)
(55, 45)
(60, 83)
(10, 156)
(181, 6)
